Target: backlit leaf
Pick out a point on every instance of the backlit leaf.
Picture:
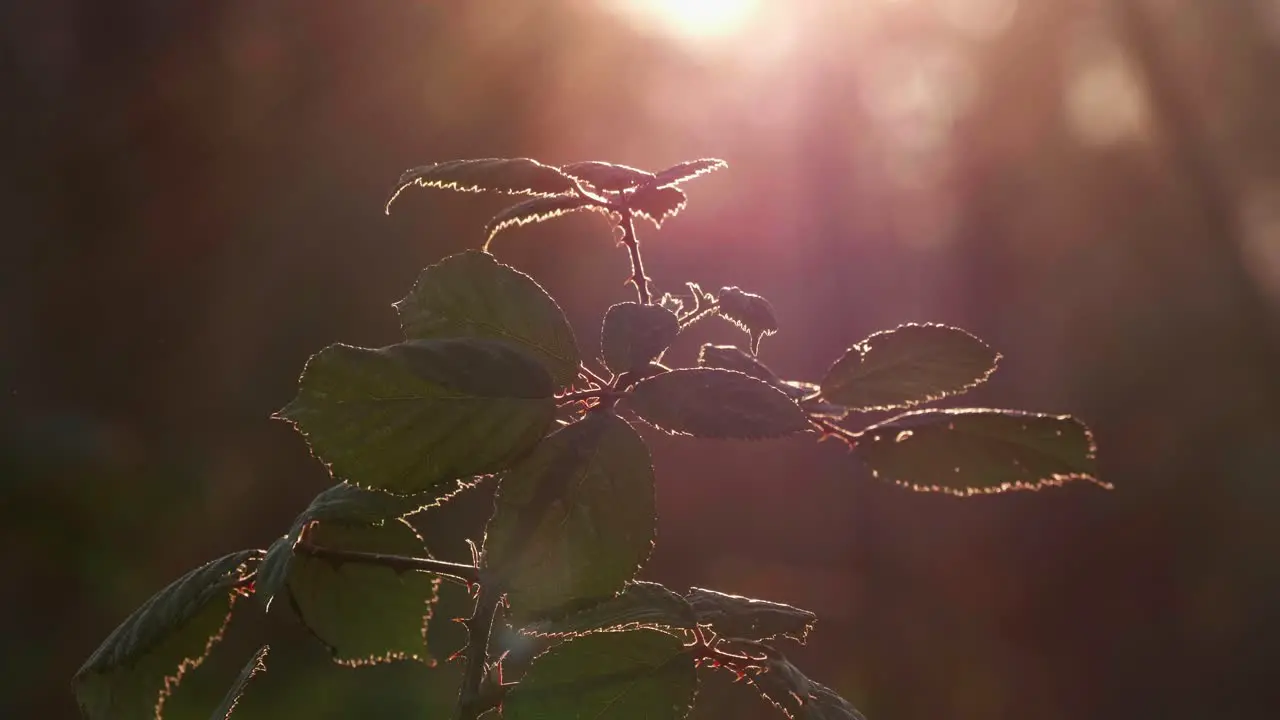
(256, 664)
(907, 366)
(687, 171)
(574, 520)
(734, 616)
(419, 416)
(607, 176)
(713, 403)
(536, 210)
(657, 204)
(640, 604)
(634, 335)
(635, 675)
(750, 312)
(510, 176)
(978, 451)
(140, 664)
(344, 503)
(473, 295)
(364, 614)
(798, 697)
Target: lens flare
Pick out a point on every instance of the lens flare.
(690, 19)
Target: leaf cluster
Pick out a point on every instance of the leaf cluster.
(490, 384)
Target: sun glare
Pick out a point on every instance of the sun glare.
(691, 19)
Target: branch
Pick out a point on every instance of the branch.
(457, 572)
(589, 394)
(637, 265)
(471, 702)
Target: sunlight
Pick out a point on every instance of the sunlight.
(690, 19)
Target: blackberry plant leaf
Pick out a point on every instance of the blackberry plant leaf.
(634, 335)
(364, 614)
(256, 665)
(714, 403)
(979, 451)
(575, 519)
(343, 503)
(750, 312)
(509, 176)
(140, 664)
(471, 294)
(419, 416)
(607, 176)
(688, 170)
(639, 605)
(798, 697)
(907, 366)
(634, 675)
(536, 210)
(657, 204)
(734, 616)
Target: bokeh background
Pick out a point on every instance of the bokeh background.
(192, 204)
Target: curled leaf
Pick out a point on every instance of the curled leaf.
(750, 312)
(509, 176)
(734, 616)
(535, 210)
(639, 605)
(255, 665)
(607, 176)
(688, 170)
(656, 204)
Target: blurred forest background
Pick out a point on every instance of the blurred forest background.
(192, 204)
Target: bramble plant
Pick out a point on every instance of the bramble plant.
(489, 386)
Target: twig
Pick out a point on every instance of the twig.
(592, 376)
(637, 265)
(603, 392)
(460, 573)
(471, 703)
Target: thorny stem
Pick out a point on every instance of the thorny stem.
(471, 704)
(637, 265)
(460, 573)
(698, 314)
(592, 376)
(588, 394)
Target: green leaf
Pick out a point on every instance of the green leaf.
(510, 176)
(639, 605)
(256, 665)
(909, 365)
(418, 416)
(734, 616)
(712, 403)
(634, 335)
(750, 312)
(656, 204)
(636, 675)
(473, 295)
(536, 210)
(978, 451)
(364, 614)
(574, 520)
(607, 176)
(688, 170)
(141, 663)
(798, 697)
(343, 503)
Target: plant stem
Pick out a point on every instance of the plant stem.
(592, 376)
(588, 394)
(457, 572)
(637, 265)
(471, 704)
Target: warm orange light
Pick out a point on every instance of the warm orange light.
(691, 19)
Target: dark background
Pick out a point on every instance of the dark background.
(191, 204)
